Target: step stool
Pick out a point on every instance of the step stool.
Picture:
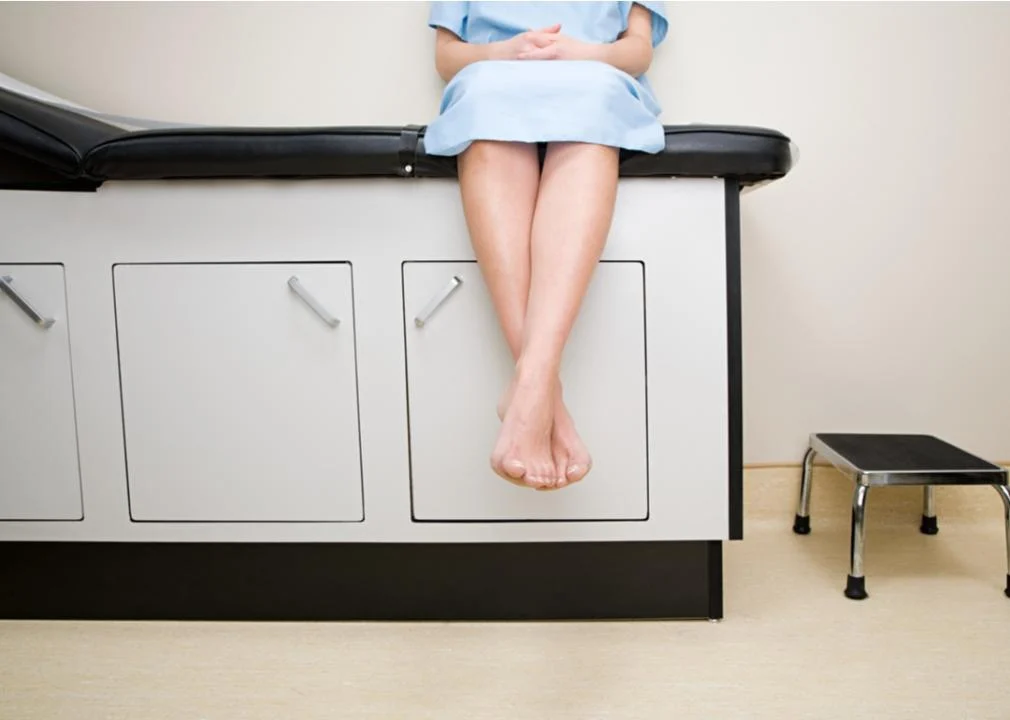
(873, 460)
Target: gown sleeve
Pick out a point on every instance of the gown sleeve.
(450, 16)
(660, 23)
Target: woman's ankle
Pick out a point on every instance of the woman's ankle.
(537, 371)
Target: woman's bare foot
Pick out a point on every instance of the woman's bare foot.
(523, 452)
(571, 458)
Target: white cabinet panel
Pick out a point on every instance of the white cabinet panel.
(39, 470)
(457, 366)
(239, 398)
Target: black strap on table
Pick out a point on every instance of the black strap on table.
(409, 138)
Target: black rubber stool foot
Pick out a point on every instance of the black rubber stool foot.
(801, 525)
(929, 526)
(855, 589)
(1007, 591)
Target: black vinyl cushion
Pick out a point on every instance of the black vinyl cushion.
(81, 148)
(53, 136)
(692, 151)
(18, 172)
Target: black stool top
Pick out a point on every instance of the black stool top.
(873, 453)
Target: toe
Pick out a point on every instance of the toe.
(498, 466)
(514, 468)
(576, 472)
(554, 479)
(538, 482)
(558, 472)
(540, 476)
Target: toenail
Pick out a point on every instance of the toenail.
(514, 466)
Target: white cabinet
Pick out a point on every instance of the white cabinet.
(239, 392)
(457, 366)
(39, 470)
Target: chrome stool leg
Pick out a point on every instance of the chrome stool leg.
(1004, 493)
(928, 526)
(855, 588)
(801, 525)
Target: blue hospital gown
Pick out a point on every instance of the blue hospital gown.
(538, 101)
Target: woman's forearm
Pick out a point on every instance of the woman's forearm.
(632, 54)
(453, 55)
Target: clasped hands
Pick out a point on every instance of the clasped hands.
(546, 44)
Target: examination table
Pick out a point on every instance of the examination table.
(251, 373)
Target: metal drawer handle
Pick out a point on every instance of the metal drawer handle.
(296, 285)
(436, 302)
(7, 285)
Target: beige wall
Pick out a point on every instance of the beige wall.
(874, 276)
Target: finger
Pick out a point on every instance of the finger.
(545, 53)
(555, 28)
(542, 39)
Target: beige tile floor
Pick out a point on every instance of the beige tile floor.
(933, 641)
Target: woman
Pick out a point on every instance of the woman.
(576, 88)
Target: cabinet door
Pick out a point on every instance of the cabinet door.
(239, 394)
(39, 470)
(457, 366)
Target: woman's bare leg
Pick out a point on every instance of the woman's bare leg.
(499, 184)
(574, 209)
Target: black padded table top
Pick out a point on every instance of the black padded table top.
(873, 453)
(53, 146)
